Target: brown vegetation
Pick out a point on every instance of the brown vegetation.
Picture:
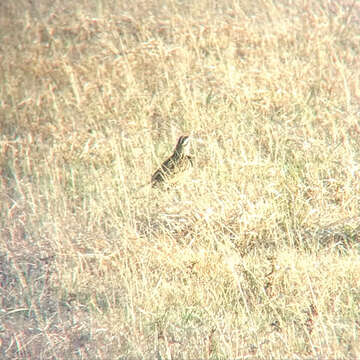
(256, 255)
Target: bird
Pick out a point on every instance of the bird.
(174, 167)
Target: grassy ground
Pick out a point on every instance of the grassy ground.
(256, 255)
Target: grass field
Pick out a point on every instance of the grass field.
(255, 255)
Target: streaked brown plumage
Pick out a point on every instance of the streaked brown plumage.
(175, 166)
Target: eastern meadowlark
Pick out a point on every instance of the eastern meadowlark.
(173, 168)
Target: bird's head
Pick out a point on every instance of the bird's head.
(183, 145)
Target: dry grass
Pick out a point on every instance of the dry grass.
(256, 255)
